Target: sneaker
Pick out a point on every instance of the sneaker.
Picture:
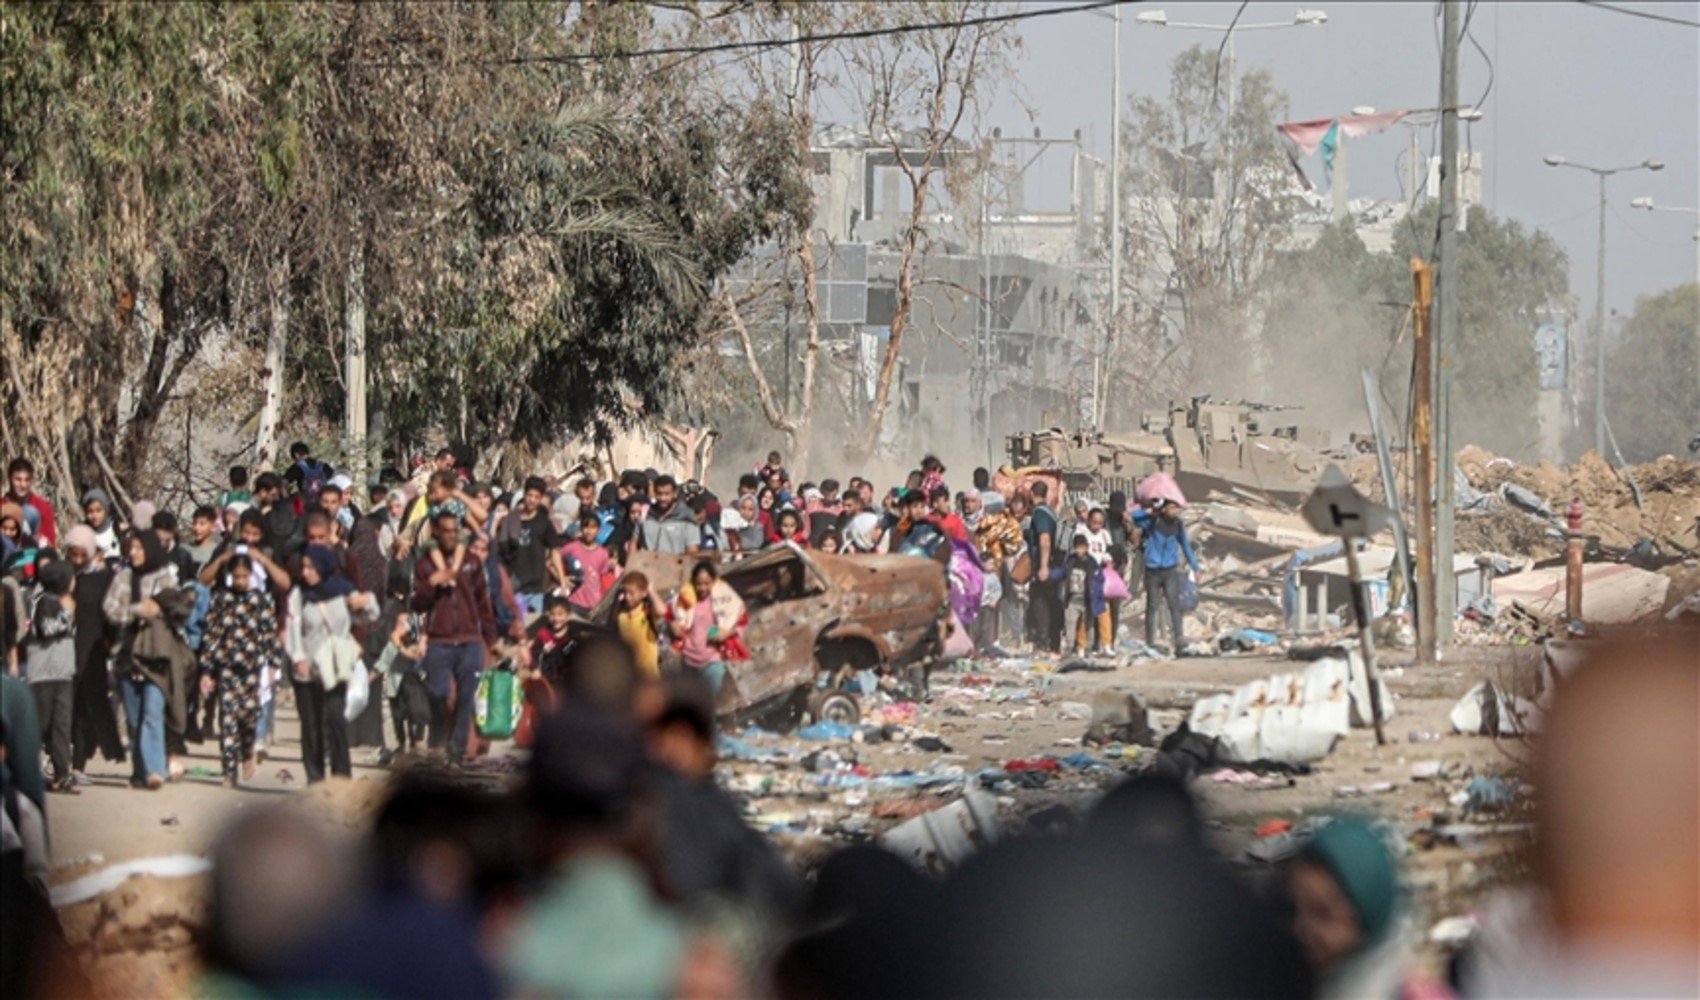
(79, 778)
(155, 783)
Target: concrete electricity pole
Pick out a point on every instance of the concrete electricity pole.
(1446, 334)
(1600, 289)
(1103, 389)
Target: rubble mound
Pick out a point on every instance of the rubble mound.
(343, 803)
(138, 940)
(1668, 513)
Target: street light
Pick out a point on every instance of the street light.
(1302, 18)
(1647, 204)
(1555, 160)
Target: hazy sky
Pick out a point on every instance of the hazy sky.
(1598, 87)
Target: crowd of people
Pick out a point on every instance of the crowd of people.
(401, 595)
(617, 866)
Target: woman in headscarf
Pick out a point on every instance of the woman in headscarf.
(97, 514)
(750, 535)
(149, 608)
(94, 723)
(368, 561)
(323, 610)
(1349, 914)
(1124, 545)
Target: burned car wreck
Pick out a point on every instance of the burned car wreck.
(818, 623)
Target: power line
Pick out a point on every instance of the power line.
(1649, 15)
(832, 36)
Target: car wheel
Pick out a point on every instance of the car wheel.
(840, 707)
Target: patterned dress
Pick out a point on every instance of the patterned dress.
(241, 640)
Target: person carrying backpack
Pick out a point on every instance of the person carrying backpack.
(306, 475)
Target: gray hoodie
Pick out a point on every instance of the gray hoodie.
(674, 534)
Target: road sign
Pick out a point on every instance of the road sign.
(1338, 510)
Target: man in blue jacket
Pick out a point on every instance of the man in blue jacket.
(1166, 544)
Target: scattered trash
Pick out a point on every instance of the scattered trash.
(931, 744)
(825, 731)
(284, 777)
(203, 772)
(1275, 827)
(1077, 711)
(170, 820)
(1119, 718)
(1488, 795)
(1246, 640)
(1425, 770)
(1046, 763)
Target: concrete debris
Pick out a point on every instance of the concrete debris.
(941, 839)
(1485, 710)
(1290, 718)
(1612, 593)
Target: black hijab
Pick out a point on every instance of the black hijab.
(153, 560)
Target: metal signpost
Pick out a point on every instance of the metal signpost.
(1338, 510)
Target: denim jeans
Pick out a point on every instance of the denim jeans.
(715, 673)
(144, 710)
(453, 670)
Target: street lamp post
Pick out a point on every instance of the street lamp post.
(1302, 18)
(1600, 288)
(1647, 204)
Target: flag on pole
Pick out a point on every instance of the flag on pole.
(1303, 139)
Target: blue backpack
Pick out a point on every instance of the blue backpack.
(314, 476)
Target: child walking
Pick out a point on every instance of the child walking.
(52, 653)
(241, 641)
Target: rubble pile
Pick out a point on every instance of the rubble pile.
(138, 940)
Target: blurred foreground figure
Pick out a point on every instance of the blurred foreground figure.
(1134, 907)
(599, 925)
(278, 875)
(1350, 914)
(446, 870)
(1618, 842)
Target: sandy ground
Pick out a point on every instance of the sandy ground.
(118, 823)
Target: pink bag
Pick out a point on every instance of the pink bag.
(1160, 486)
(1115, 588)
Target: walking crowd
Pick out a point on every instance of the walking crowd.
(286, 584)
(618, 867)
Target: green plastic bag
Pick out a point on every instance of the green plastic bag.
(497, 704)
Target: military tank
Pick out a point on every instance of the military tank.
(1227, 447)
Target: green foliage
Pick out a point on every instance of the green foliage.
(1507, 275)
(538, 239)
(1653, 373)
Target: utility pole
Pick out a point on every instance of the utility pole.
(1422, 445)
(1447, 333)
(1103, 387)
(1600, 331)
